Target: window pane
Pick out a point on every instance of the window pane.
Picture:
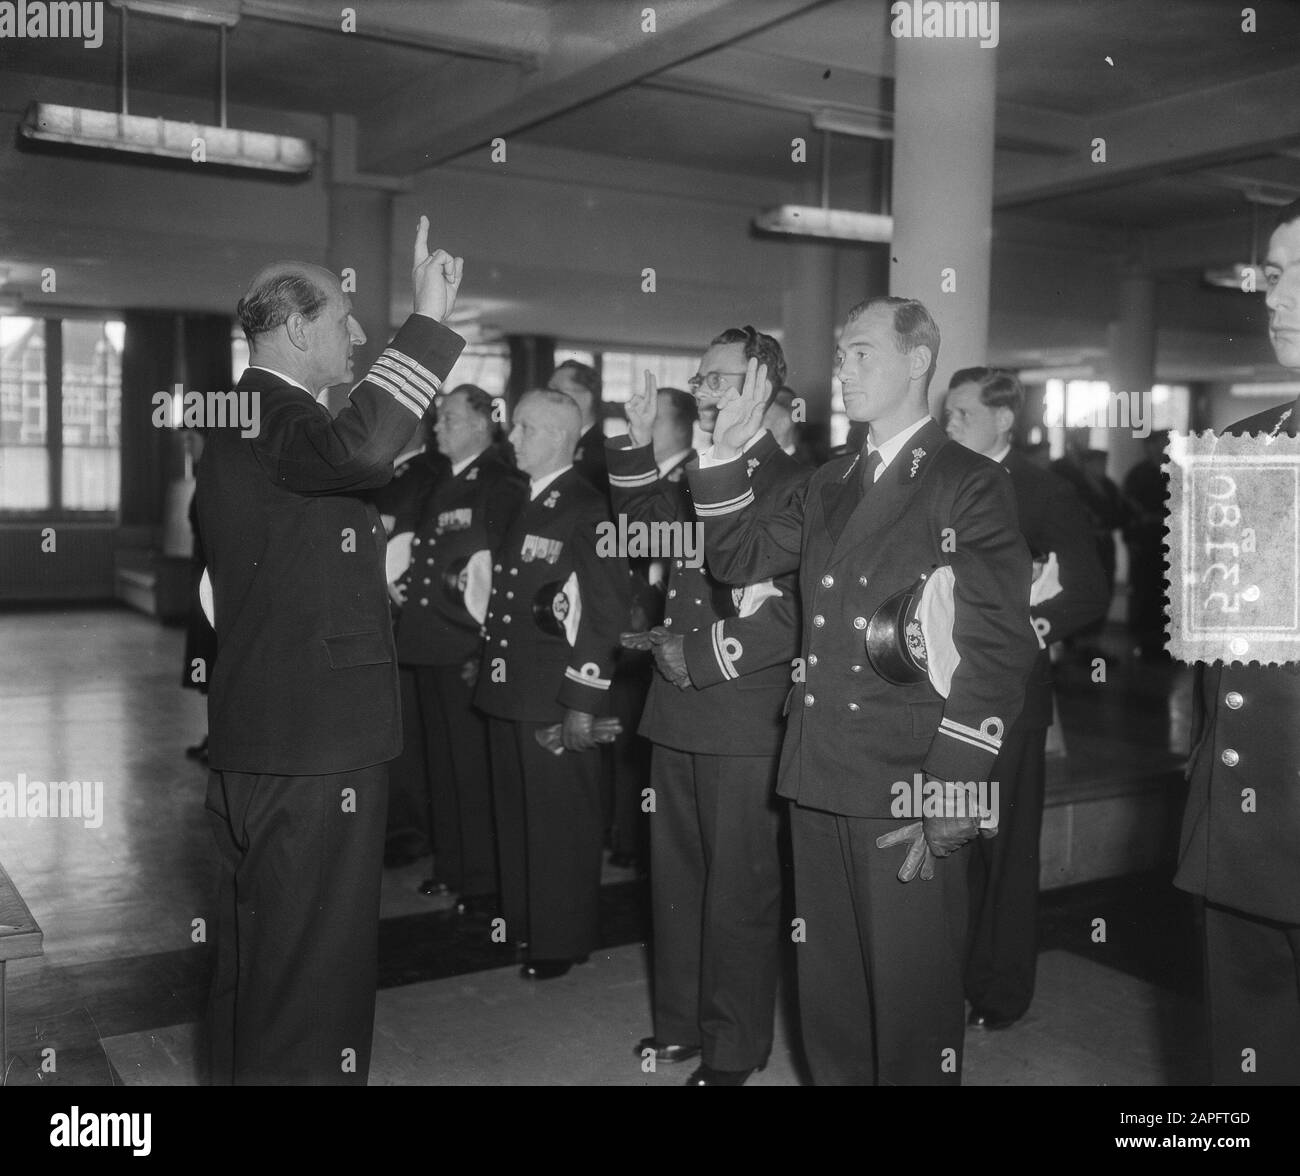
(238, 353)
(92, 413)
(483, 365)
(1170, 407)
(623, 370)
(24, 416)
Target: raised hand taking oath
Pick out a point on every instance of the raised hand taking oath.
(642, 411)
(740, 414)
(435, 276)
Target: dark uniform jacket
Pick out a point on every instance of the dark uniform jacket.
(463, 518)
(1245, 735)
(851, 735)
(1052, 519)
(536, 661)
(306, 682)
(589, 458)
(740, 665)
(413, 479)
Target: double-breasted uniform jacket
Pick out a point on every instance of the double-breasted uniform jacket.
(739, 645)
(463, 518)
(851, 735)
(306, 679)
(537, 662)
(1053, 520)
(1245, 735)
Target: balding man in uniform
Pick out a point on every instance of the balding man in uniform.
(303, 708)
(553, 624)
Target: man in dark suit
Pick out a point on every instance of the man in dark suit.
(880, 954)
(303, 707)
(1243, 858)
(449, 540)
(714, 716)
(558, 605)
(1069, 593)
(582, 384)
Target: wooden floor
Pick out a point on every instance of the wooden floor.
(93, 695)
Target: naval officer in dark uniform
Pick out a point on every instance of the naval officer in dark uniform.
(303, 710)
(449, 539)
(880, 983)
(582, 384)
(1069, 593)
(725, 656)
(556, 611)
(1244, 858)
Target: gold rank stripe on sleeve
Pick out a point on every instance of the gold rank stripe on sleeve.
(727, 650)
(412, 384)
(729, 506)
(631, 481)
(975, 736)
(587, 676)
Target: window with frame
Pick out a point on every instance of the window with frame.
(60, 415)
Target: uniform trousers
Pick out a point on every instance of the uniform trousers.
(549, 841)
(628, 764)
(445, 756)
(300, 863)
(1003, 947)
(1252, 973)
(410, 824)
(715, 876)
(880, 970)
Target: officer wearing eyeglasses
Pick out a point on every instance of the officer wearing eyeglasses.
(714, 719)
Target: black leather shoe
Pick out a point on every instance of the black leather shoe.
(666, 1053)
(475, 905)
(980, 1020)
(434, 888)
(706, 1075)
(548, 969)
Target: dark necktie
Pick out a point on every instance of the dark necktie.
(869, 469)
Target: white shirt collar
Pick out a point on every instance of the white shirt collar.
(261, 367)
(537, 485)
(459, 467)
(1000, 455)
(670, 463)
(891, 448)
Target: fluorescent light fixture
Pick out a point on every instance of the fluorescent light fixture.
(1234, 277)
(215, 12)
(874, 124)
(166, 138)
(1276, 391)
(835, 224)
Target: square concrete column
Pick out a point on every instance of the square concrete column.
(944, 97)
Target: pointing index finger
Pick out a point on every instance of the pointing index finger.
(422, 240)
